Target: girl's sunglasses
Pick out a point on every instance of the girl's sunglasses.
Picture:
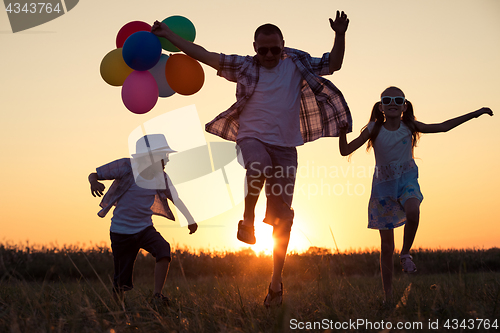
(275, 50)
(386, 100)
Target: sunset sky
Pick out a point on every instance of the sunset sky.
(61, 120)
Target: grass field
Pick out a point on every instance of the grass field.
(67, 290)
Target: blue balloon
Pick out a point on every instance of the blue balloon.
(142, 50)
(158, 72)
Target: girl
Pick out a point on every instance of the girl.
(395, 199)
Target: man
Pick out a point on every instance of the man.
(282, 102)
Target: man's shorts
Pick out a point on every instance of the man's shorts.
(279, 166)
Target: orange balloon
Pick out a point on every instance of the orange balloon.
(184, 74)
(114, 70)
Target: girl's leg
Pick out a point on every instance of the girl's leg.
(412, 210)
(386, 262)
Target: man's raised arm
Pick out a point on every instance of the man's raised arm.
(193, 50)
(337, 54)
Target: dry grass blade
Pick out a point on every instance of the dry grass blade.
(95, 292)
(404, 299)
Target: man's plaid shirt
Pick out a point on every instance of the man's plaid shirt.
(323, 109)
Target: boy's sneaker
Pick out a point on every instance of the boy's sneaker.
(159, 297)
(408, 264)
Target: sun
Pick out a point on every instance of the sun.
(265, 242)
(299, 238)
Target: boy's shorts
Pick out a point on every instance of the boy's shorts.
(125, 249)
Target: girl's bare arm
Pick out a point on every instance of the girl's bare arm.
(451, 123)
(347, 148)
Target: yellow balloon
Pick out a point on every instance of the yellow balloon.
(114, 70)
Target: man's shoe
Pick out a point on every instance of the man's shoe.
(273, 297)
(159, 297)
(246, 234)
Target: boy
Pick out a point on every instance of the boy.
(140, 189)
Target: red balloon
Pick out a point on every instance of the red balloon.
(184, 74)
(140, 92)
(128, 29)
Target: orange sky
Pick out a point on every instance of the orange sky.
(61, 120)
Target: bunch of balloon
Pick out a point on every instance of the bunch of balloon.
(144, 72)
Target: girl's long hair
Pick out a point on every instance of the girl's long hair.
(378, 117)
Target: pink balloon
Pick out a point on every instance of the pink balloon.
(128, 29)
(140, 92)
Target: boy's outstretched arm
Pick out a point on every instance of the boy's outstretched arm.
(452, 123)
(192, 225)
(193, 50)
(337, 54)
(179, 204)
(348, 148)
(96, 188)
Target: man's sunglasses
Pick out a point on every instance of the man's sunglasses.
(275, 50)
(386, 100)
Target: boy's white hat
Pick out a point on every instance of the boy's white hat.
(152, 144)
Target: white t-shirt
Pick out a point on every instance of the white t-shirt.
(272, 114)
(132, 213)
(392, 147)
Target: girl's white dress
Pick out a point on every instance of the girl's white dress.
(395, 179)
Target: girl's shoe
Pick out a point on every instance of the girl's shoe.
(408, 264)
(273, 297)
